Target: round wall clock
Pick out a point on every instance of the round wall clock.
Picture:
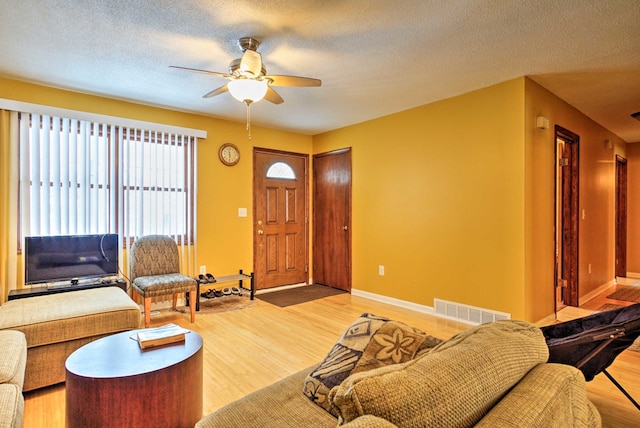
(229, 154)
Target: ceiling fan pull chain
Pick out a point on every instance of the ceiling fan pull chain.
(249, 119)
(248, 79)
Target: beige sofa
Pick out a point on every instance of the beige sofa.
(13, 359)
(55, 325)
(493, 375)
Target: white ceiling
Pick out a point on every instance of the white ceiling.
(374, 57)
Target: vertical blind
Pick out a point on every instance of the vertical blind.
(79, 177)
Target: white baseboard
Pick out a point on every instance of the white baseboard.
(166, 304)
(584, 299)
(393, 301)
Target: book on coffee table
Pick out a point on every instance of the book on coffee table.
(168, 333)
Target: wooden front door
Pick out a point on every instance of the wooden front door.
(280, 183)
(621, 216)
(332, 219)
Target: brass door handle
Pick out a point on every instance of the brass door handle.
(345, 227)
(260, 232)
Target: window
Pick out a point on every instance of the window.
(282, 171)
(157, 185)
(81, 177)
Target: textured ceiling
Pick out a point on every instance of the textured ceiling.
(374, 57)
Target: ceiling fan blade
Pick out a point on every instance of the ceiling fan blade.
(220, 90)
(293, 81)
(211, 73)
(251, 62)
(272, 96)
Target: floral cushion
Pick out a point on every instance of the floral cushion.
(368, 343)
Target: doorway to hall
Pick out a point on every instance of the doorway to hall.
(621, 217)
(567, 216)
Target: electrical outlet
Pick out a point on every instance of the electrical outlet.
(381, 270)
(203, 269)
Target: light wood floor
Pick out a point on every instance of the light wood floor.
(247, 349)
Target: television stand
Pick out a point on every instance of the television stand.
(64, 288)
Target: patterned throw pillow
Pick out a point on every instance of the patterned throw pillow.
(368, 343)
(453, 385)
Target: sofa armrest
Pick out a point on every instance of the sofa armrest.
(369, 421)
(11, 405)
(549, 395)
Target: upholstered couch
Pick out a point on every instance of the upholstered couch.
(13, 359)
(55, 325)
(385, 374)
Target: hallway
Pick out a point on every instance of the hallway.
(600, 300)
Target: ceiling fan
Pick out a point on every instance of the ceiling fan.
(248, 77)
(249, 81)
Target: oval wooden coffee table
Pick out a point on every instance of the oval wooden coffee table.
(111, 382)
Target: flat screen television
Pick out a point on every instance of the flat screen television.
(70, 258)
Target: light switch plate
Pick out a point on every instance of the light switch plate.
(242, 212)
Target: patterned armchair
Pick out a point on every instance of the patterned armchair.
(155, 271)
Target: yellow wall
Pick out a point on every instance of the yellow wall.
(224, 240)
(633, 210)
(454, 198)
(438, 199)
(597, 197)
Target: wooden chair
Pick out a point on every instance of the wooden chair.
(155, 271)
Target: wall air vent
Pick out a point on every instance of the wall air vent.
(466, 313)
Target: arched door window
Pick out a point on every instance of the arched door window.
(282, 171)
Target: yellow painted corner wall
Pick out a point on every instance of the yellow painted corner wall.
(438, 199)
(224, 239)
(633, 210)
(597, 197)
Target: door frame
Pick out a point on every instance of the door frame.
(567, 256)
(621, 217)
(256, 226)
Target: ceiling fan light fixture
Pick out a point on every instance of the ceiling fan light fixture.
(248, 79)
(247, 90)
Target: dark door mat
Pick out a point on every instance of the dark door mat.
(295, 296)
(607, 307)
(629, 293)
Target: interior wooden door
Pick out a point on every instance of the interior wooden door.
(332, 219)
(621, 217)
(280, 218)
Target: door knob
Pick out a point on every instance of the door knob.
(345, 227)
(260, 232)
